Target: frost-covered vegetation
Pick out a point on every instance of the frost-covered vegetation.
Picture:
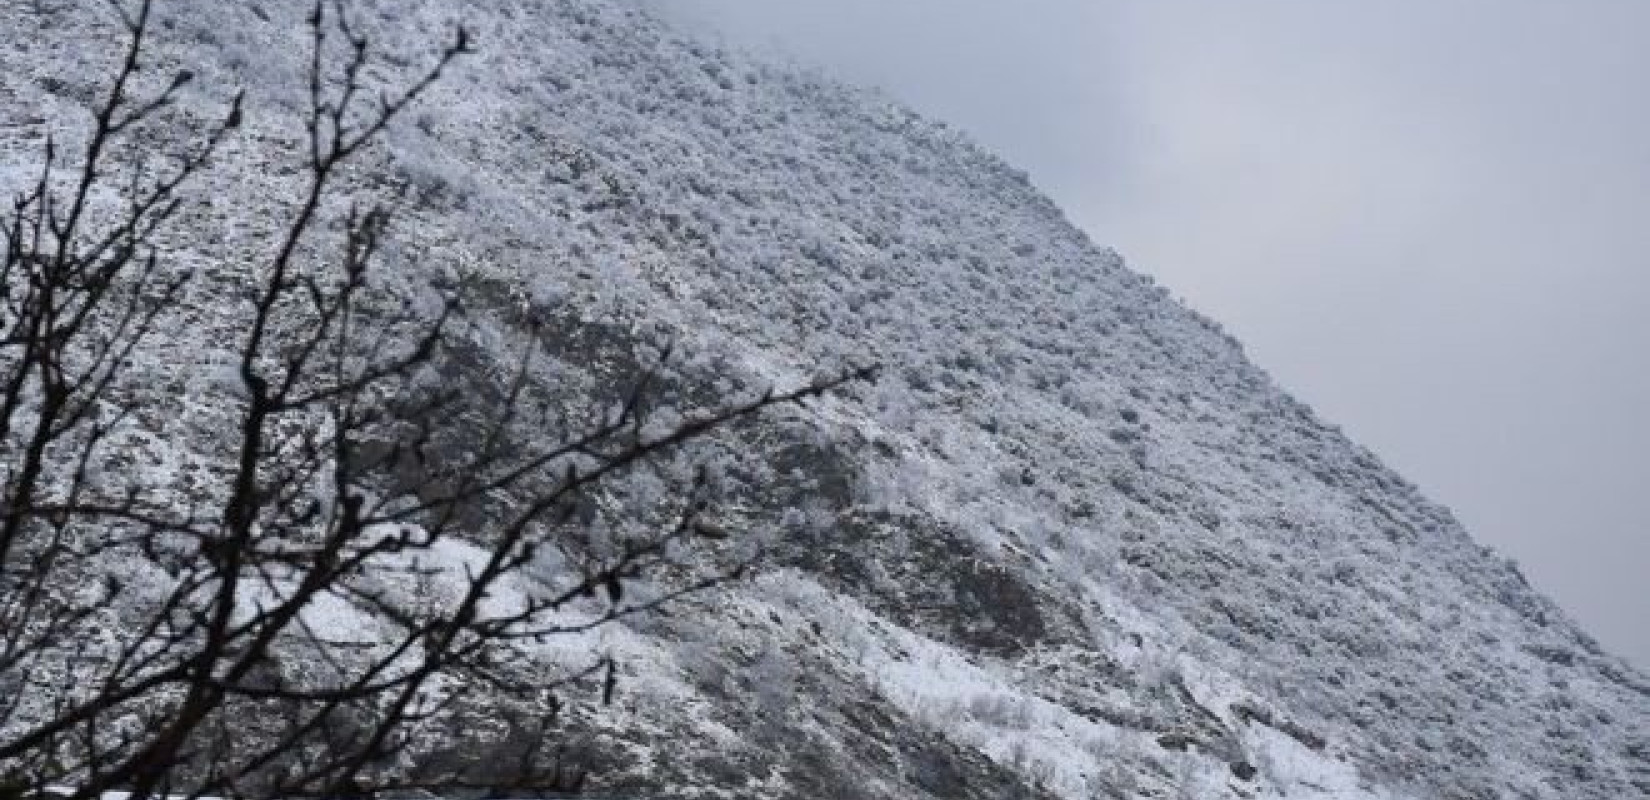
(357, 562)
(1072, 544)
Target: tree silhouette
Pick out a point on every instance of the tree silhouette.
(339, 486)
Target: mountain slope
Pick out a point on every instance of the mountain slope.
(1072, 544)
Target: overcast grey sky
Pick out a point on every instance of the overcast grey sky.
(1427, 218)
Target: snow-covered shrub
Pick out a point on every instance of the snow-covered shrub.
(377, 564)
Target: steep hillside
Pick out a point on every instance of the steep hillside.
(1073, 544)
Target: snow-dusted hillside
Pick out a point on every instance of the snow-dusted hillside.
(1073, 544)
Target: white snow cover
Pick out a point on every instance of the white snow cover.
(1218, 578)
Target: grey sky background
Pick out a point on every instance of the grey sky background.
(1430, 219)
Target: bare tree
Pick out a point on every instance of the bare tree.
(334, 488)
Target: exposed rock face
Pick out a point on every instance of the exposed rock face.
(1072, 545)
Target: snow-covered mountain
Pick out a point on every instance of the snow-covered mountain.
(1072, 544)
